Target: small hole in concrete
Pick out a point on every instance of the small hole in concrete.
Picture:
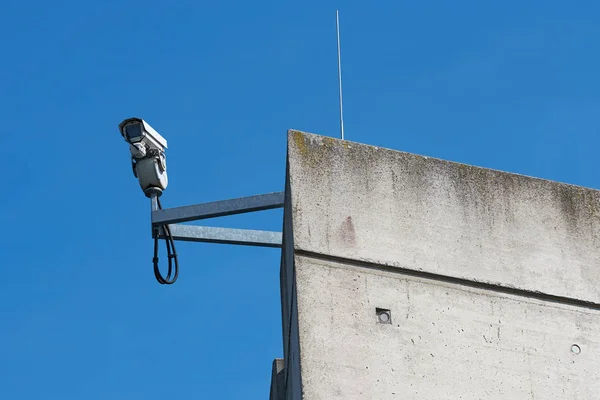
(575, 349)
(384, 316)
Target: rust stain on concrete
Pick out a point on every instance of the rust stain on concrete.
(347, 232)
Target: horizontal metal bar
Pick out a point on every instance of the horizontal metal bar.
(210, 234)
(218, 209)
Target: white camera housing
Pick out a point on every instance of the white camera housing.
(147, 148)
(135, 130)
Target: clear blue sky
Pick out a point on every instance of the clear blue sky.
(512, 86)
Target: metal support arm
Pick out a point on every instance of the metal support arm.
(218, 209)
(210, 234)
(190, 233)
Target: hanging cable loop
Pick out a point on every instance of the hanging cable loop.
(173, 263)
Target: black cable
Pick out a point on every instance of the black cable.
(171, 254)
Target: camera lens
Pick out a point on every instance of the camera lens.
(134, 132)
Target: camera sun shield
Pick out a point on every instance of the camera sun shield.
(135, 130)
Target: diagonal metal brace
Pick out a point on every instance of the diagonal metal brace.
(191, 233)
(217, 209)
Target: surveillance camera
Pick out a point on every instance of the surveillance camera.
(148, 158)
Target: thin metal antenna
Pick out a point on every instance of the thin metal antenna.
(337, 27)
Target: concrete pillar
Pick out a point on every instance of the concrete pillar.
(410, 277)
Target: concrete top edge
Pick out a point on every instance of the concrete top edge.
(294, 134)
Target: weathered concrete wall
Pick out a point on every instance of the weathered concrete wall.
(392, 208)
(445, 341)
(490, 277)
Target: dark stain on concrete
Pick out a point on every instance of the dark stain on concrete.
(347, 232)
